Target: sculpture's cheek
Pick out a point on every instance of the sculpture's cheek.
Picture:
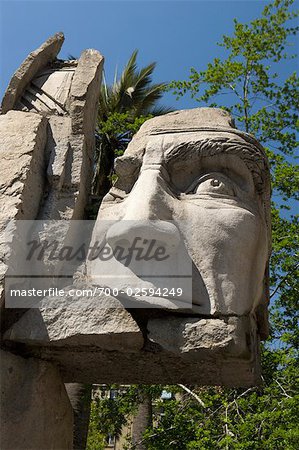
(228, 248)
(111, 211)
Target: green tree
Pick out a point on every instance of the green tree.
(130, 405)
(123, 107)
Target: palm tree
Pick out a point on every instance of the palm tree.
(133, 93)
(123, 107)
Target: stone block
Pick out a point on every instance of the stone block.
(34, 62)
(22, 154)
(23, 138)
(107, 346)
(35, 410)
(78, 324)
(191, 336)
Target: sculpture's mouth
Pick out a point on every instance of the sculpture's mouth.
(159, 302)
(148, 285)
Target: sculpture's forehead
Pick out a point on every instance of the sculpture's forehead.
(185, 146)
(170, 147)
(189, 148)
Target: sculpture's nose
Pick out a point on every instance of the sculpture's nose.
(144, 235)
(150, 198)
(148, 214)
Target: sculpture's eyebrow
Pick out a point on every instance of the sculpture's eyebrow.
(182, 152)
(252, 156)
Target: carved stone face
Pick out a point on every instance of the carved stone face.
(209, 183)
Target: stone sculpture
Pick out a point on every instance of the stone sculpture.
(194, 168)
(191, 182)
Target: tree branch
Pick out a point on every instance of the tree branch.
(283, 280)
(192, 394)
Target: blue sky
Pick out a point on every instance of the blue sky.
(176, 34)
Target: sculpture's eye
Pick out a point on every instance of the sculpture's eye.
(213, 183)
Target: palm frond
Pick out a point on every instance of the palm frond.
(134, 91)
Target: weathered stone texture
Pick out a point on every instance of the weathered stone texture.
(84, 92)
(71, 141)
(192, 336)
(35, 410)
(48, 143)
(84, 95)
(151, 366)
(47, 129)
(58, 149)
(34, 62)
(23, 138)
(107, 345)
(79, 324)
